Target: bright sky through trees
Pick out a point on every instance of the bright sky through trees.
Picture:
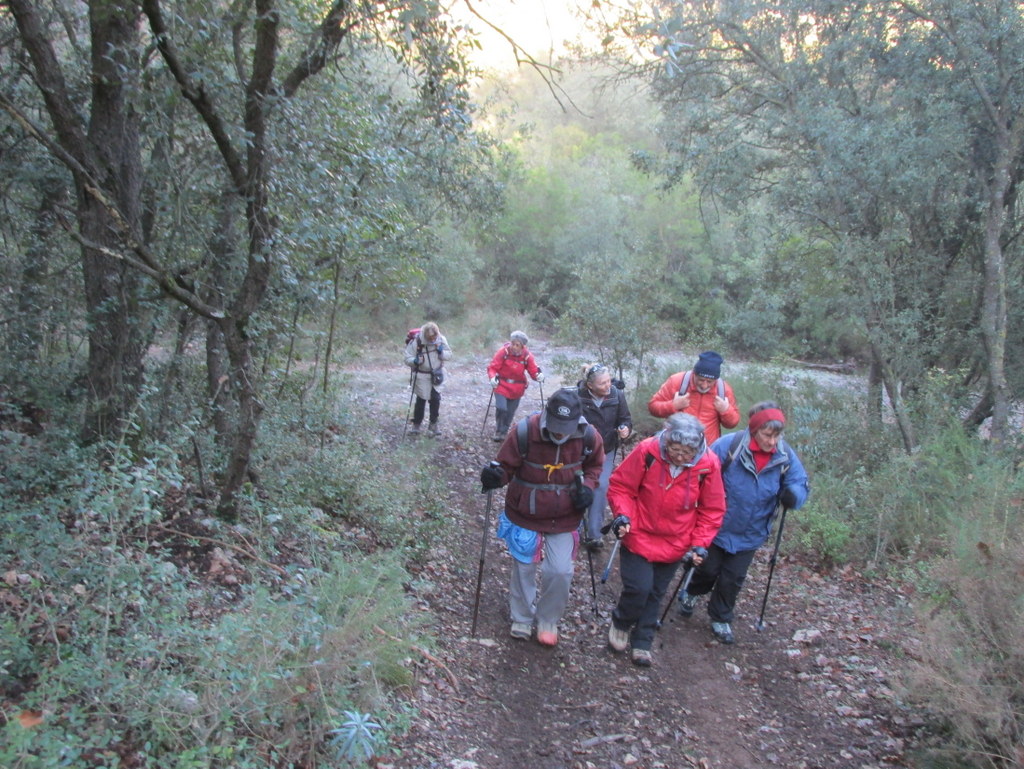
(540, 27)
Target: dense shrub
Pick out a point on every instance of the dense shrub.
(118, 644)
(970, 672)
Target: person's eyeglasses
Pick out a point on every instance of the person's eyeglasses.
(596, 369)
(679, 453)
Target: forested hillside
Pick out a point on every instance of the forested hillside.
(215, 213)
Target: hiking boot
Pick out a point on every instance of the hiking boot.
(547, 635)
(435, 431)
(415, 428)
(687, 603)
(618, 639)
(521, 630)
(723, 632)
(594, 545)
(642, 657)
(499, 436)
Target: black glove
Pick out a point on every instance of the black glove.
(700, 552)
(492, 477)
(619, 384)
(417, 360)
(582, 497)
(787, 497)
(616, 526)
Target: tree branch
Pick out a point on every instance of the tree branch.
(333, 29)
(196, 95)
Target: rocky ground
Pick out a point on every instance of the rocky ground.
(815, 688)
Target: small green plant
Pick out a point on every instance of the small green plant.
(356, 739)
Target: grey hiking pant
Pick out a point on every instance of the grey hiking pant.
(556, 570)
(595, 515)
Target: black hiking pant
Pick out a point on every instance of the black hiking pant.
(722, 574)
(435, 407)
(644, 584)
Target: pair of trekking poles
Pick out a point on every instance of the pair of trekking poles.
(683, 583)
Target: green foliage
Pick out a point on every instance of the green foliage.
(123, 642)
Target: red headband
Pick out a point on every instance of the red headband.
(766, 415)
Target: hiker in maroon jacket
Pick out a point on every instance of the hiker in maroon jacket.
(550, 485)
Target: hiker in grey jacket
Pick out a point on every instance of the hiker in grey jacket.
(760, 472)
(425, 354)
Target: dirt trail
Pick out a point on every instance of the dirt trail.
(811, 690)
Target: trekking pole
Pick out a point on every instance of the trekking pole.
(586, 534)
(412, 396)
(611, 560)
(542, 401)
(682, 585)
(771, 567)
(483, 551)
(483, 427)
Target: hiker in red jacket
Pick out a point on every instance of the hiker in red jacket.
(507, 372)
(669, 492)
(701, 392)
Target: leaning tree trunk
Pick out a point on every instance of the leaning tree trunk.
(892, 389)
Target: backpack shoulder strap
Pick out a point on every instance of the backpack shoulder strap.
(685, 384)
(522, 426)
(734, 449)
(588, 439)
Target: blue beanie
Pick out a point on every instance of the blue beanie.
(709, 364)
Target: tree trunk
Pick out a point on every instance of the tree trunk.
(892, 388)
(875, 392)
(28, 327)
(239, 348)
(993, 302)
(116, 329)
(103, 158)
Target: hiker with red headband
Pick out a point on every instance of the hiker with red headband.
(761, 474)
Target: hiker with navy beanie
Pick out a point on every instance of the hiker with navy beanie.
(701, 392)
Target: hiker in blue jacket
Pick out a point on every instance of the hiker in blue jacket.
(760, 472)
